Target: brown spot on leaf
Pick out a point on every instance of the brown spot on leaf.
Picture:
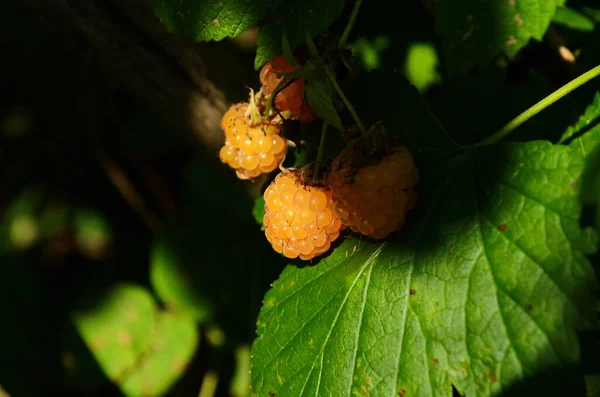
(519, 20)
(529, 308)
(413, 292)
(492, 377)
(271, 394)
(575, 184)
(560, 344)
(124, 338)
(502, 227)
(436, 361)
(402, 393)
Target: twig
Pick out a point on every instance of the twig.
(119, 179)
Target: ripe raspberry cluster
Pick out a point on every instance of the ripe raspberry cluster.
(253, 141)
(250, 149)
(374, 199)
(368, 194)
(299, 219)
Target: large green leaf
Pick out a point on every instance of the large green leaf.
(475, 31)
(291, 20)
(205, 20)
(487, 287)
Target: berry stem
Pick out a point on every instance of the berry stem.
(538, 107)
(320, 152)
(338, 89)
(350, 24)
(282, 85)
(314, 51)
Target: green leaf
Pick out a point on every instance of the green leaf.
(573, 19)
(584, 135)
(319, 98)
(421, 67)
(174, 341)
(287, 50)
(258, 211)
(593, 13)
(141, 350)
(472, 107)
(384, 95)
(117, 328)
(205, 20)
(168, 278)
(474, 32)
(487, 285)
(291, 19)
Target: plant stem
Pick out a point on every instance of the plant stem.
(320, 152)
(347, 103)
(350, 24)
(283, 84)
(538, 107)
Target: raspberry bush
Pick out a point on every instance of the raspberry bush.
(331, 198)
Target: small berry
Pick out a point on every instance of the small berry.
(253, 146)
(374, 199)
(290, 98)
(300, 220)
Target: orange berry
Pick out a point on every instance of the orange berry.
(292, 97)
(250, 150)
(374, 200)
(300, 220)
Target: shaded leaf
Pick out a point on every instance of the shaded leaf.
(486, 286)
(573, 19)
(319, 97)
(291, 19)
(475, 32)
(590, 186)
(258, 211)
(168, 278)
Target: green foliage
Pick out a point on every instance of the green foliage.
(489, 288)
(291, 20)
(573, 19)
(172, 287)
(258, 211)
(211, 19)
(139, 348)
(440, 304)
(319, 96)
(584, 135)
(421, 66)
(475, 32)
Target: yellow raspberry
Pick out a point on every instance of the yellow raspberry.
(300, 220)
(250, 150)
(374, 199)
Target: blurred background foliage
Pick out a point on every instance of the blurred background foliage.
(100, 297)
